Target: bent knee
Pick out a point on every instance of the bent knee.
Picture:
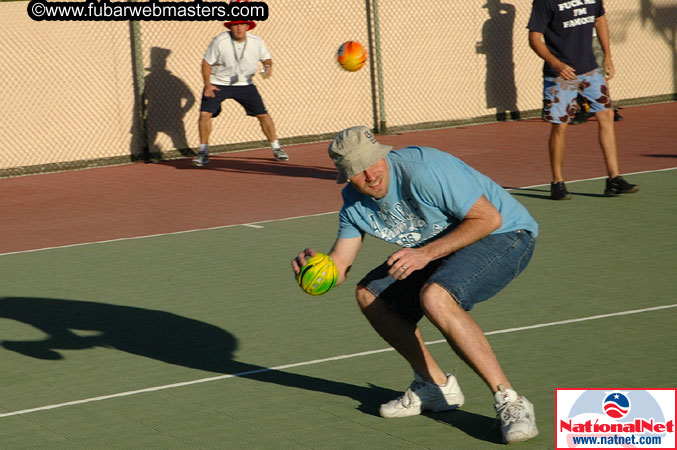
(364, 297)
(437, 301)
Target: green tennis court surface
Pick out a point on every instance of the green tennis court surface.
(93, 321)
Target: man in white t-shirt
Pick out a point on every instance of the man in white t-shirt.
(228, 67)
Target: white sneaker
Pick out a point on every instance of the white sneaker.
(201, 160)
(280, 154)
(425, 396)
(516, 413)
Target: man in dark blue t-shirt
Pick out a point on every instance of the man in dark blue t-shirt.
(560, 32)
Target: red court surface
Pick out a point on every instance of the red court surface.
(134, 200)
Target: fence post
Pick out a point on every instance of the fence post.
(372, 66)
(382, 127)
(140, 113)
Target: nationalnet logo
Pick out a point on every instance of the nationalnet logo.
(616, 418)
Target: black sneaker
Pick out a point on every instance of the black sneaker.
(616, 186)
(558, 191)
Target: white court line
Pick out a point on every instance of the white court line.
(251, 225)
(596, 178)
(254, 224)
(316, 361)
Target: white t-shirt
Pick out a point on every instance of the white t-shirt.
(235, 63)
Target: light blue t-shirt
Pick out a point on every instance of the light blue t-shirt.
(430, 193)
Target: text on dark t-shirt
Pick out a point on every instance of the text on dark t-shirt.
(567, 28)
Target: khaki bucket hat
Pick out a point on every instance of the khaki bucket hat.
(353, 150)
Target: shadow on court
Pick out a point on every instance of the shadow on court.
(544, 194)
(479, 427)
(257, 166)
(183, 342)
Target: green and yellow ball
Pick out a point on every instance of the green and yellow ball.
(318, 275)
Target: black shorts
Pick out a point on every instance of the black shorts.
(247, 96)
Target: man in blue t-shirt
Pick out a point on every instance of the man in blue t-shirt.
(560, 32)
(463, 238)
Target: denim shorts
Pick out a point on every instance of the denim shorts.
(559, 95)
(471, 275)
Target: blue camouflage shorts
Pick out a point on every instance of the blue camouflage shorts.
(559, 95)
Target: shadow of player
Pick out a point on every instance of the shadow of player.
(176, 340)
(168, 100)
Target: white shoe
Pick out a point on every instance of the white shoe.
(201, 160)
(280, 154)
(516, 413)
(425, 396)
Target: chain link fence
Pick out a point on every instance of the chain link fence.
(65, 92)
(82, 94)
(308, 97)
